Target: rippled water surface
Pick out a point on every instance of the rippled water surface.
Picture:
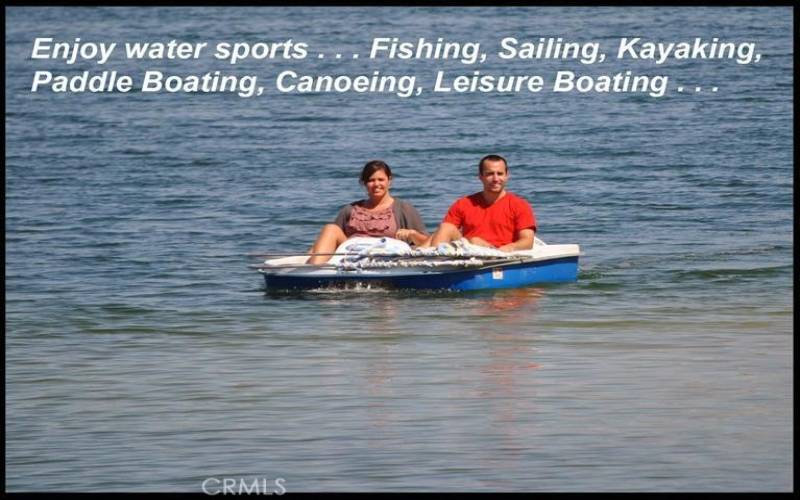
(143, 355)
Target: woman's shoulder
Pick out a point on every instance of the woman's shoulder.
(405, 207)
(402, 204)
(346, 210)
(357, 203)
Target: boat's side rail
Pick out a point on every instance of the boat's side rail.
(539, 251)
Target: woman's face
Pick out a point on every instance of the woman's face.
(378, 184)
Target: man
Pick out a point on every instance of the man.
(493, 217)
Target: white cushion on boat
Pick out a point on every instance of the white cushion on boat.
(366, 245)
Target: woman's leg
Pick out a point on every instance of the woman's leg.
(329, 239)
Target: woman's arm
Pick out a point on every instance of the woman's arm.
(412, 236)
(412, 218)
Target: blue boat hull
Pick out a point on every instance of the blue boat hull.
(511, 276)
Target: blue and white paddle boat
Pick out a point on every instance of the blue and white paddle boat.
(390, 263)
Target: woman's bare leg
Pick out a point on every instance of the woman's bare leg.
(329, 239)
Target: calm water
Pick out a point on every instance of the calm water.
(143, 355)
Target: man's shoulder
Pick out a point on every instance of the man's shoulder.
(513, 198)
(472, 199)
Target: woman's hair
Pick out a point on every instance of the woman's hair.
(373, 166)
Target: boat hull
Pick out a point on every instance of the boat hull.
(557, 270)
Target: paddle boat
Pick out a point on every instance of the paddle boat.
(390, 263)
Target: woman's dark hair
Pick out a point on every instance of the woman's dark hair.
(373, 166)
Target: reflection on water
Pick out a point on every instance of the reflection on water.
(509, 375)
(377, 376)
(514, 298)
(378, 369)
(492, 369)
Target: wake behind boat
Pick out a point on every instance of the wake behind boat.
(458, 265)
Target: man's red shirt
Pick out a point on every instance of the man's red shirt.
(498, 223)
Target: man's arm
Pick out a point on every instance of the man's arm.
(447, 232)
(523, 242)
(477, 240)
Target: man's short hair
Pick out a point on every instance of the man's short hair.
(491, 158)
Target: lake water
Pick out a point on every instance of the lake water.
(143, 355)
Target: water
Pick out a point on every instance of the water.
(143, 355)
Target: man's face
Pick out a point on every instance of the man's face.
(494, 176)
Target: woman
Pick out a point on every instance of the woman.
(379, 215)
